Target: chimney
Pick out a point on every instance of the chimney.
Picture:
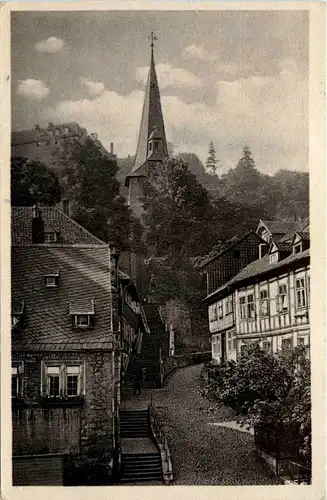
(37, 127)
(37, 226)
(111, 148)
(66, 207)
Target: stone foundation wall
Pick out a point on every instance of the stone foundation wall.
(97, 409)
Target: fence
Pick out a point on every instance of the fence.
(279, 444)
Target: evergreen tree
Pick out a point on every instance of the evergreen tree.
(211, 163)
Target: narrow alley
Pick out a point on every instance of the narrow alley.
(206, 445)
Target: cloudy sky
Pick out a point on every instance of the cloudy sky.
(233, 77)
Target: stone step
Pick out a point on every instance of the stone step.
(141, 476)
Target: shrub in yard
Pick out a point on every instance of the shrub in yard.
(266, 390)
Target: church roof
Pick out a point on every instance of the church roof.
(151, 118)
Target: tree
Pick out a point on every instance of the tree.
(89, 178)
(32, 182)
(211, 163)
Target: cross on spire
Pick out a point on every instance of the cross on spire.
(152, 37)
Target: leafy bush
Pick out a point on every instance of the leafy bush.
(265, 390)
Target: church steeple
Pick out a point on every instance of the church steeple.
(152, 117)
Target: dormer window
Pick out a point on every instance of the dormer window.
(156, 145)
(17, 313)
(50, 234)
(52, 280)
(273, 257)
(14, 321)
(82, 311)
(297, 248)
(50, 237)
(82, 320)
(150, 146)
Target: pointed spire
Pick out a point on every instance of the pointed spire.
(151, 116)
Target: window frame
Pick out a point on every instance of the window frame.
(243, 307)
(80, 325)
(267, 343)
(289, 342)
(54, 278)
(298, 246)
(64, 366)
(48, 233)
(301, 293)
(264, 301)
(281, 307)
(250, 306)
(18, 368)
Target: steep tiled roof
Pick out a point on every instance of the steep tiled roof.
(303, 236)
(303, 225)
(70, 232)
(83, 278)
(224, 247)
(260, 267)
(283, 247)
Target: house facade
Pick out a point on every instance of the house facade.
(267, 302)
(75, 321)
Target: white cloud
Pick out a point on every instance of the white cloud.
(197, 52)
(170, 77)
(92, 88)
(267, 113)
(33, 89)
(50, 45)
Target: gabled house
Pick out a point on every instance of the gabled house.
(274, 229)
(76, 319)
(267, 302)
(220, 268)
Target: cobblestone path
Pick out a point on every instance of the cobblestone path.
(204, 453)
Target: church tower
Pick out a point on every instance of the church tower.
(152, 144)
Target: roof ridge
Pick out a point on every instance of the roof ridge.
(79, 225)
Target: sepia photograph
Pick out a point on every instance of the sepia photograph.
(160, 248)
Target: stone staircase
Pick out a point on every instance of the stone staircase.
(141, 467)
(134, 424)
(144, 464)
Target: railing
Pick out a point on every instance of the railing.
(161, 440)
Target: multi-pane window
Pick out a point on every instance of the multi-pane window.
(229, 342)
(53, 381)
(300, 341)
(286, 344)
(220, 310)
(250, 306)
(229, 305)
(62, 380)
(216, 346)
(308, 288)
(266, 346)
(301, 297)
(242, 307)
(14, 382)
(82, 320)
(72, 380)
(215, 313)
(282, 298)
(264, 303)
(50, 237)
